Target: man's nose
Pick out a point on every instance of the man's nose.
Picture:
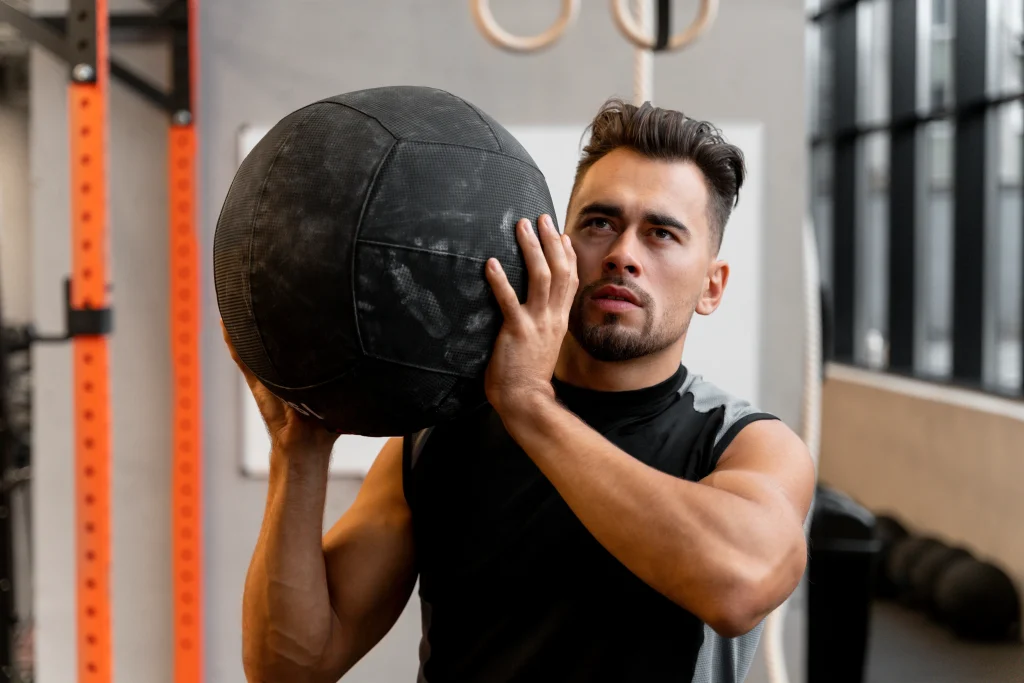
(621, 259)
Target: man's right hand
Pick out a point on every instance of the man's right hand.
(290, 431)
(313, 605)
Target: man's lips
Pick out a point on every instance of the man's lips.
(615, 299)
(612, 293)
(614, 305)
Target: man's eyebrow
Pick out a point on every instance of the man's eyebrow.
(605, 209)
(613, 211)
(667, 221)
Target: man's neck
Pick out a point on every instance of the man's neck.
(578, 368)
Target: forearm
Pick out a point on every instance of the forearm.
(702, 547)
(287, 613)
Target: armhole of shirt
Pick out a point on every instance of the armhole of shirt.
(412, 447)
(407, 468)
(736, 413)
(726, 437)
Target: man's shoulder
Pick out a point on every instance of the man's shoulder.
(730, 412)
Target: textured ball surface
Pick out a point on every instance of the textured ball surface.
(349, 255)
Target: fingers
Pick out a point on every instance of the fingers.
(574, 278)
(231, 348)
(503, 291)
(250, 378)
(270, 406)
(557, 260)
(234, 353)
(536, 265)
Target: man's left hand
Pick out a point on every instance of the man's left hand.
(527, 347)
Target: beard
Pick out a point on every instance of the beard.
(610, 341)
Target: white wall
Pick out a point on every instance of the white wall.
(15, 280)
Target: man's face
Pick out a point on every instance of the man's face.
(641, 232)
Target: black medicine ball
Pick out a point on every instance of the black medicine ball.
(902, 558)
(928, 570)
(349, 255)
(978, 601)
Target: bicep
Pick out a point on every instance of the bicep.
(370, 560)
(768, 466)
(766, 463)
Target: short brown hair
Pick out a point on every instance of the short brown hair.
(669, 135)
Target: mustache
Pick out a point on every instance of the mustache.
(642, 296)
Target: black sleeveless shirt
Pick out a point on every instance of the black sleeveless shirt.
(512, 585)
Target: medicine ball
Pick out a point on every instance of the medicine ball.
(902, 558)
(926, 571)
(978, 601)
(349, 255)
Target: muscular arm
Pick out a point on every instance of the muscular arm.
(314, 604)
(729, 548)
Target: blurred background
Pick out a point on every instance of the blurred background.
(893, 126)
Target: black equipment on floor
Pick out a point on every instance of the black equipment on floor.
(842, 568)
(926, 572)
(978, 601)
(902, 559)
(889, 531)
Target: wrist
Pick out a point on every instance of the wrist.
(526, 405)
(303, 461)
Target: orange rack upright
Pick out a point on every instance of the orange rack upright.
(186, 496)
(87, 103)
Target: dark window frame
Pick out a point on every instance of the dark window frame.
(969, 111)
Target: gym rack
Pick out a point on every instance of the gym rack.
(81, 38)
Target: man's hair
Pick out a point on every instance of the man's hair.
(668, 135)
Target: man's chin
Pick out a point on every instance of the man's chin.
(615, 321)
(609, 342)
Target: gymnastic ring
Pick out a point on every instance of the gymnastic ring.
(498, 36)
(634, 34)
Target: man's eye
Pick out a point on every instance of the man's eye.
(663, 234)
(599, 223)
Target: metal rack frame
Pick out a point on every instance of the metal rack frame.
(81, 38)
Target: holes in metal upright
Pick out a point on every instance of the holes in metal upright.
(87, 103)
(186, 479)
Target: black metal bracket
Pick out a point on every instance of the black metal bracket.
(79, 322)
(181, 70)
(123, 24)
(32, 29)
(663, 25)
(81, 37)
(72, 39)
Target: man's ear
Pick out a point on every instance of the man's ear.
(718, 277)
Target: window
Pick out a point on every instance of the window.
(940, 56)
(1002, 366)
(915, 190)
(872, 255)
(934, 253)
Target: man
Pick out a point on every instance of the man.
(607, 516)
